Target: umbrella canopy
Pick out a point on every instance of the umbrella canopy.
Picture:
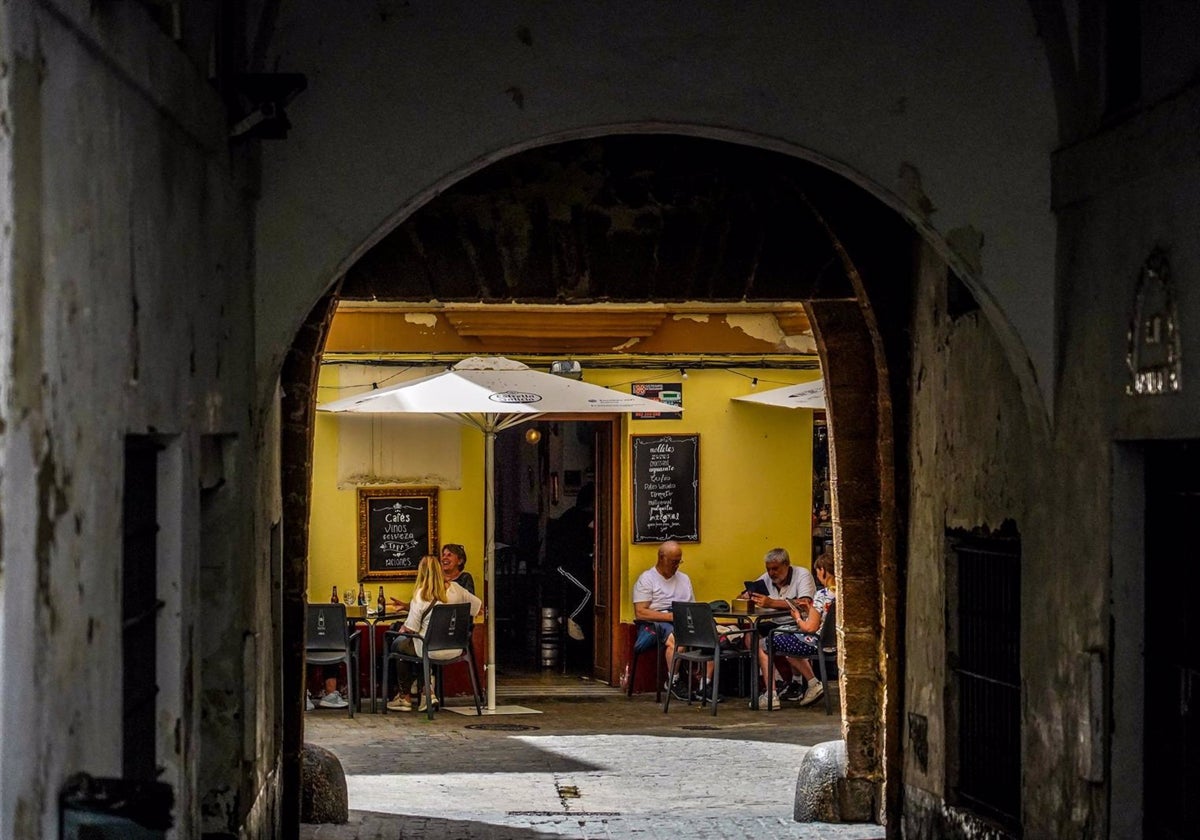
(494, 385)
(804, 395)
(493, 393)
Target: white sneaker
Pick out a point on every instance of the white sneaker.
(334, 700)
(400, 703)
(308, 703)
(813, 694)
(425, 703)
(762, 701)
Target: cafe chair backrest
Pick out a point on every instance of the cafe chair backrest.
(694, 625)
(450, 627)
(828, 632)
(325, 627)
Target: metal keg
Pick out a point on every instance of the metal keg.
(550, 637)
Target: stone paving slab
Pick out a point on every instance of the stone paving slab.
(587, 768)
(371, 826)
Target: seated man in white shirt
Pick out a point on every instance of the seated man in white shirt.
(784, 583)
(653, 593)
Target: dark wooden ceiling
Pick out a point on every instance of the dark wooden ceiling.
(632, 218)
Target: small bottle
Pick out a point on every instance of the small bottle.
(362, 596)
(380, 603)
(334, 599)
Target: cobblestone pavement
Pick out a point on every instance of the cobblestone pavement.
(594, 767)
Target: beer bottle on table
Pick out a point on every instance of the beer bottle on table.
(334, 599)
(362, 596)
(380, 603)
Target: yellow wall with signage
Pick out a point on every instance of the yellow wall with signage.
(755, 482)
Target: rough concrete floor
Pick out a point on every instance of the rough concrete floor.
(599, 766)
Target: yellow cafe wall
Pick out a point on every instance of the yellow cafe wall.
(333, 527)
(755, 479)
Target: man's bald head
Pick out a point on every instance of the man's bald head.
(670, 555)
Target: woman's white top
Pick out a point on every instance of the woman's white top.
(420, 610)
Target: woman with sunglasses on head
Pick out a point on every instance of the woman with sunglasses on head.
(454, 560)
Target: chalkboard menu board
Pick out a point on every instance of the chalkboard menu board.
(666, 488)
(396, 527)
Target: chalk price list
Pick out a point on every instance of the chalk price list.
(660, 488)
(397, 539)
(666, 488)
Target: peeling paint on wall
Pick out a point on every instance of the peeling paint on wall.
(967, 243)
(52, 502)
(421, 319)
(911, 190)
(764, 327)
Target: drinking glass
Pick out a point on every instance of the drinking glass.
(351, 597)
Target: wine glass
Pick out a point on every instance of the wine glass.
(351, 597)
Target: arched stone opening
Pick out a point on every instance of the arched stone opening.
(660, 218)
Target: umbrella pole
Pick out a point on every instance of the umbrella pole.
(489, 559)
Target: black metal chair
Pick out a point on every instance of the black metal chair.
(450, 632)
(327, 642)
(635, 656)
(826, 647)
(389, 636)
(698, 642)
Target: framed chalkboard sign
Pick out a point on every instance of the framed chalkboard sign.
(666, 488)
(396, 527)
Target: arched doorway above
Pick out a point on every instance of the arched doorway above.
(675, 223)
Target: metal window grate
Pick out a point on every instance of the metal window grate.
(988, 674)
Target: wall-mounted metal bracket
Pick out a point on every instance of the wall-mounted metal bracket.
(266, 95)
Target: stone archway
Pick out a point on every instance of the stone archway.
(651, 218)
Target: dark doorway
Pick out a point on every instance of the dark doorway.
(1171, 807)
(546, 573)
(139, 609)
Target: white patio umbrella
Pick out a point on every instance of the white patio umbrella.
(492, 394)
(804, 395)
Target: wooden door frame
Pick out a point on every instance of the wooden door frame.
(615, 430)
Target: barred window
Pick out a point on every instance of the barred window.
(984, 579)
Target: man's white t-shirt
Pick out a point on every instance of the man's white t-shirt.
(801, 585)
(661, 591)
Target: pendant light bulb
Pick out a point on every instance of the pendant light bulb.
(532, 436)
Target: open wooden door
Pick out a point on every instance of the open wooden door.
(607, 609)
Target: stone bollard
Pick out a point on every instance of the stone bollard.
(817, 783)
(322, 787)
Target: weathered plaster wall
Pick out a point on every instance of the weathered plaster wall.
(975, 464)
(1119, 196)
(125, 307)
(947, 117)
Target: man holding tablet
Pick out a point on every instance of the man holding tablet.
(782, 582)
